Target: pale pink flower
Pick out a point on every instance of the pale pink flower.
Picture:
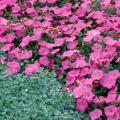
(81, 12)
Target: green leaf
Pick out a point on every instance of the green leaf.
(96, 4)
(110, 11)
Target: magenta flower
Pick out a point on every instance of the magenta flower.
(13, 67)
(45, 61)
(81, 105)
(24, 55)
(66, 64)
(32, 68)
(69, 53)
(44, 50)
(109, 80)
(110, 111)
(97, 74)
(79, 63)
(25, 41)
(95, 114)
(6, 47)
(83, 90)
(31, 12)
(109, 41)
(111, 98)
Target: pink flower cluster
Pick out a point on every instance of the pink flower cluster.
(55, 32)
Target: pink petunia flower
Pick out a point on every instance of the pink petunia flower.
(45, 61)
(52, 1)
(3, 21)
(81, 105)
(111, 98)
(90, 35)
(109, 41)
(81, 90)
(16, 8)
(25, 41)
(109, 80)
(79, 63)
(97, 74)
(44, 50)
(66, 64)
(72, 45)
(32, 68)
(7, 47)
(69, 53)
(110, 110)
(55, 51)
(13, 67)
(27, 54)
(95, 114)
(59, 42)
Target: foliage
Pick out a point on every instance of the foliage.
(35, 98)
(96, 4)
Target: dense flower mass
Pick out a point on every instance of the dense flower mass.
(80, 39)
